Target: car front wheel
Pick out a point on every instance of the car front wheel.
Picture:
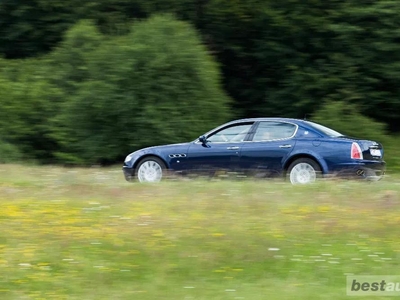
(303, 171)
(150, 169)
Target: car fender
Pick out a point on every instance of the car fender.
(136, 156)
(162, 152)
(307, 153)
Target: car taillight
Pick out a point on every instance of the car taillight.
(356, 152)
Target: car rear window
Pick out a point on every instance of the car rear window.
(268, 130)
(325, 130)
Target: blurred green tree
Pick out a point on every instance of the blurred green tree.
(287, 58)
(156, 85)
(33, 27)
(347, 119)
(278, 58)
(368, 60)
(272, 53)
(9, 153)
(27, 104)
(281, 58)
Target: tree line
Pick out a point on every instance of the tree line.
(88, 82)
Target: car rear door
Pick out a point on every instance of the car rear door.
(269, 146)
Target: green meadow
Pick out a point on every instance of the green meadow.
(74, 233)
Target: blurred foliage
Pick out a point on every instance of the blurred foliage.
(28, 102)
(156, 85)
(9, 153)
(32, 27)
(285, 58)
(347, 119)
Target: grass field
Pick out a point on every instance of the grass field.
(88, 234)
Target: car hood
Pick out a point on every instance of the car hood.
(161, 149)
(168, 146)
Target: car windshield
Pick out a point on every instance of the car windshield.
(324, 129)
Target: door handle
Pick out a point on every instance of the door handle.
(285, 146)
(233, 148)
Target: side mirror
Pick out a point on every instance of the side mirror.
(203, 139)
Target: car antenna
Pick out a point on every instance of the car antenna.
(305, 117)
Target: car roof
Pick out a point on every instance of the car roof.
(293, 120)
(289, 120)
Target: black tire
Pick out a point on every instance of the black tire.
(150, 162)
(303, 171)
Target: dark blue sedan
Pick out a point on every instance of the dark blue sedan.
(299, 150)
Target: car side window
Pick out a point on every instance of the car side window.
(267, 131)
(236, 133)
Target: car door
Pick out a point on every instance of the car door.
(221, 151)
(269, 146)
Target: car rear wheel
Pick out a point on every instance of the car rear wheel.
(150, 169)
(303, 171)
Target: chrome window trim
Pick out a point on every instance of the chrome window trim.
(232, 125)
(263, 141)
(198, 142)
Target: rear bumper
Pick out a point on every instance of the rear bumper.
(129, 173)
(368, 170)
(370, 174)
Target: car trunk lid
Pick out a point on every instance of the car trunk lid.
(371, 150)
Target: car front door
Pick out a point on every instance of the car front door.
(268, 147)
(221, 151)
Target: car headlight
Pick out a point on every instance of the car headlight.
(129, 157)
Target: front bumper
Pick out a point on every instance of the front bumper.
(129, 173)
